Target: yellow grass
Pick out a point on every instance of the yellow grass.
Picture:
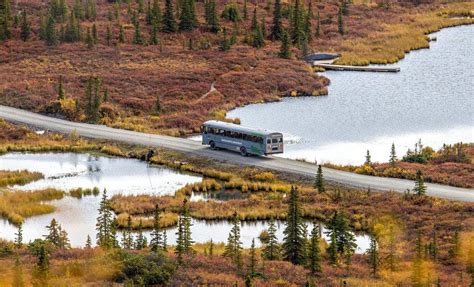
(20, 177)
(15, 206)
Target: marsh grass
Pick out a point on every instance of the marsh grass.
(15, 206)
(18, 177)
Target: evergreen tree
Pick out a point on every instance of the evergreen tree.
(72, 33)
(168, 22)
(341, 238)
(373, 253)
(154, 34)
(42, 28)
(211, 248)
(53, 235)
(113, 233)
(127, 237)
(19, 237)
(340, 23)
(5, 18)
(108, 35)
(245, 12)
(212, 21)
(319, 181)
(94, 33)
(137, 38)
(297, 24)
(225, 43)
(417, 272)
(61, 93)
(307, 22)
(314, 254)
(254, 23)
(272, 251)
(187, 16)
(78, 9)
(277, 26)
(156, 11)
(89, 39)
(391, 258)
(165, 240)
(51, 36)
(332, 249)
(285, 51)
(368, 157)
(42, 266)
(294, 243)
(104, 223)
(455, 249)
(140, 6)
(141, 239)
(156, 242)
(252, 269)
(149, 14)
(184, 241)
(121, 35)
(233, 248)
(25, 27)
(88, 242)
(420, 187)
(393, 156)
(318, 25)
(258, 40)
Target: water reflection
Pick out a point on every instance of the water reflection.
(431, 98)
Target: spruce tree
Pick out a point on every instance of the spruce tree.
(297, 24)
(212, 20)
(5, 18)
(154, 34)
(121, 35)
(94, 33)
(258, 40)
(156, 242)
(277, 26)
(184, 240)
(340, 23)
(307, 23)
(373, 253)
(149, 14)
(252, 269)
(72, 33)
(245, 12)
(368, 158)
(104, 223)
(225, 43)
(285, 52)
(233, 248)
(140, 6)
(272, 251)
(168, 24)
(342, 239)
(53, 235)
(141, 241)
(137, 38)
(51, 37)
(188, 19)
(318, 25)
(393, 156)
(211, 248)
(25, 27)
(61, 93)
(127, 237)
(156, 11)
(19, 237)
(88, 242)
(42, 266)
(89, 39)
(108, 35)
(420, 187)
(294, 243)
(314, 253)
(319, 181)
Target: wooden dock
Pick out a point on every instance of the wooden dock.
(357, 68)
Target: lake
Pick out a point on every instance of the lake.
(66, 171)
(431, 99)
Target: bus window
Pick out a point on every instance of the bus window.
(274, 140)
(268, 141)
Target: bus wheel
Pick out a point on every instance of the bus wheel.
(243, 151)
(213, 145)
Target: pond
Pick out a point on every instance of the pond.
(119, 175)
(430, 99)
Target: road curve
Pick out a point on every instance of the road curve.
(189, 146)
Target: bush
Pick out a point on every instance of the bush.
(146, 270)
(231, 13)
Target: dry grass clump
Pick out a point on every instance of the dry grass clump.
(81, 192)
(20, 177)
(15, 206)
(167, 219)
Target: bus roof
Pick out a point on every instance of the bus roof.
(239, 128)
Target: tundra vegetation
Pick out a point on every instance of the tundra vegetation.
(451, 164)
(415, 239)
(150, 67)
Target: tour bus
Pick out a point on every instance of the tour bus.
(247, 141)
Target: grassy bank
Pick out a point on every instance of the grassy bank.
(20, 177)
(15, 206)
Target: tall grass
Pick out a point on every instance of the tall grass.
(15, 206)
(20, 177)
